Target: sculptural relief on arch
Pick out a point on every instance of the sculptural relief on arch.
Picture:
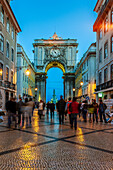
(55, 52)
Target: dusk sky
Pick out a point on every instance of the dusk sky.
(69, 19)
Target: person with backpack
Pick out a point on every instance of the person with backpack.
(102, 108)
(74, 109)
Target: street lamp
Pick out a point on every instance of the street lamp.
(36, 88)
(73, 92)
(27, 72)
(81, 83)
(1, 71)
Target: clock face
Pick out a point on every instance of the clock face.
(55, 52)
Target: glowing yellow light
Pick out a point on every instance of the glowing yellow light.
(36, 89)
(1, 71)
(73, 89)
(27, 72)
(81, 83)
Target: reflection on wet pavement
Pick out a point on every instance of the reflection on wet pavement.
(48, 145)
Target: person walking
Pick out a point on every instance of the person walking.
(40, 108)
(61, 109)
(95, 106)
(102, 108)
(48, 107)
(74, 111)
(68, 111)
(52, 108)
(19, 108)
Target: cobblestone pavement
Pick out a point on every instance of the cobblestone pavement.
(48, 146)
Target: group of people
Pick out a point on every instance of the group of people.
(23, 110)
(20, 111)
(83, 109)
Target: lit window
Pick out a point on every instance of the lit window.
(112, 44)
(106, 25)
(2, 15)
(12, 54)
(106, 50)
(1, 43)
(105, 75)
(100, 55)
(7, 73)
(1, 67)
(8, 25)
(7, 50)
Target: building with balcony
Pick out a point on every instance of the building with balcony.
(9, 28)
(86, 73)
(25, 83)
(103, 27)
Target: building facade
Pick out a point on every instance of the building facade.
(103, 27)
(25, 83)
(55, 52)
(9, 28)
(86, 73)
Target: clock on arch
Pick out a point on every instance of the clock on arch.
(55, 52)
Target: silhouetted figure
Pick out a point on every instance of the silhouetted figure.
(52, 108)
(61, 109)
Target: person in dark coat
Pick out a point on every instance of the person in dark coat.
(52, 108)
(61, 109)
(102, 108)
(11, 108)
(48, 107)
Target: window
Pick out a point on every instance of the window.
(87, 62)
(112, 72)
(8, 25)
(1, 67)
(7, 73)
(100, 78)
(7, 50)
(1, 43)
(2, 15)
(12, 32)
(112, 16)
(105, 75)
(23, 76)
(100, 55)
(112, 44)
(100, 33)
(11, 76)
(106, 25)
(87, 77)
(23, 62)
(106, 50)
(12, 54)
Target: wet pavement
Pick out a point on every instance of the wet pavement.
(48, 146)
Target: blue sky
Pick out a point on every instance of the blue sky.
(69, 19)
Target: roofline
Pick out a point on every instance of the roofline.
(96, 5)
(7, 4)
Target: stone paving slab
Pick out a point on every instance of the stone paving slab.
(48, 146)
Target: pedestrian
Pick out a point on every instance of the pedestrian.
(11, 107)
(19, 106)
(84, 110)
(30, 107)
(48, 107)
(74, 111)
(52, 108)
(68, 111)
(102, 108)
(40, 108)
(61, 109)
(95, 106)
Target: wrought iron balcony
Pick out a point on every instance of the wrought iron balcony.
(104, 86)
(9, 85)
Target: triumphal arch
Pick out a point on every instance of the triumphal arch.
(55, 52)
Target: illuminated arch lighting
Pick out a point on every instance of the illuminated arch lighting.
(55, 64)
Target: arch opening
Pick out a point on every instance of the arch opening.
(55, 64)
(54, 84)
